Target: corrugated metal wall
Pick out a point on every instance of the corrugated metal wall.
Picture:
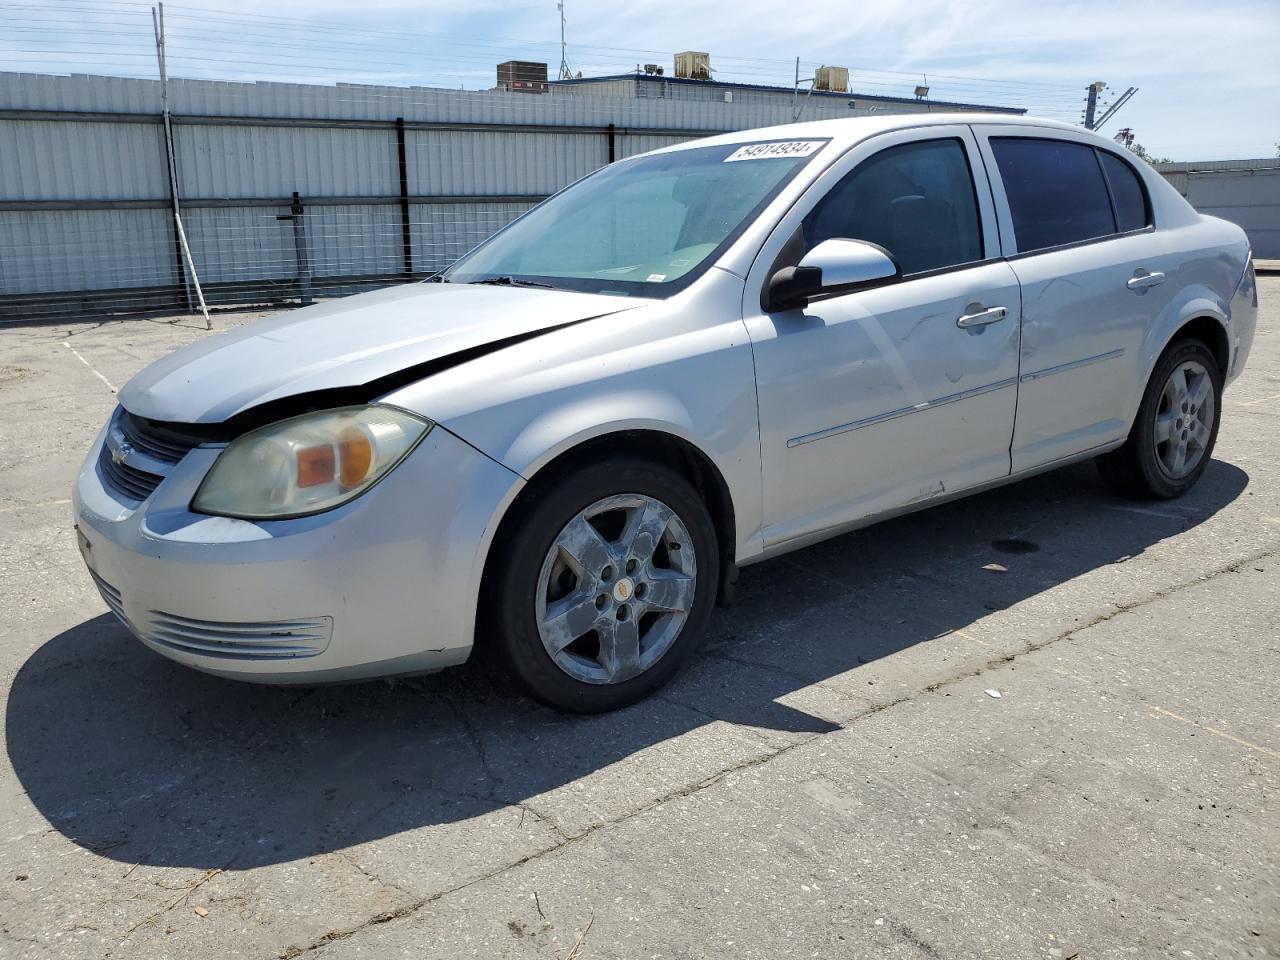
(1246, 192)
(85, 206)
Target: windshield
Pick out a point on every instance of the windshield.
(648, 226)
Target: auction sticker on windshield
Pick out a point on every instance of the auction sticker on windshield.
(766, 151)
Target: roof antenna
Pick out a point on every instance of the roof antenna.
(565, 72)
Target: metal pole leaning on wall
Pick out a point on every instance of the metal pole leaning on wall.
(157, 23)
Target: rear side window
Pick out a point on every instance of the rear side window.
(1056, 192)
(916, 200)
(1126, 191)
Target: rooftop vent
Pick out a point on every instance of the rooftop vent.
(831, 79)
(522, 76)
(693, 65)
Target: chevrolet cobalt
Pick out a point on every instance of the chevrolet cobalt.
(561, 448)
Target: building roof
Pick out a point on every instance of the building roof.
(789, 91)
(1204, 166)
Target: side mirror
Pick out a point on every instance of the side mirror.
(833, 266)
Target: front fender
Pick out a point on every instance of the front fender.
(682, 367)
(726, 435)
(558, 430)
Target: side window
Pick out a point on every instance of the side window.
(1126, 191)
(1055, 189)
(915, 200)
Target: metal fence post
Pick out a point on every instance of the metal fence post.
(406, 233)
(303, 254)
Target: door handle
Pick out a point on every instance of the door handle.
(982, 317)
(1143, 280)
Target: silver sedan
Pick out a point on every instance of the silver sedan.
(562, 448)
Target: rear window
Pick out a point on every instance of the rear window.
(1056, 192)
(1126, 191)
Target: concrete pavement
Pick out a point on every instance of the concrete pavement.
(833, 778)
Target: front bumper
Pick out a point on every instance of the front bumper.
(386, 584)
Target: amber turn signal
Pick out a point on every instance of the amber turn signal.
(356, 456)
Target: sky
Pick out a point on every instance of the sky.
(1208, 75)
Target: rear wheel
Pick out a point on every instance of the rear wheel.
(605, 586)
(1173, 437)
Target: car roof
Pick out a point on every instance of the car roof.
(846, 131)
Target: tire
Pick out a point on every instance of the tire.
(1148, 467)
(552, 578)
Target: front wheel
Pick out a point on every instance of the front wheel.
(1173, 436)
(603, 590)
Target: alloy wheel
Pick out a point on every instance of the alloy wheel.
(616, 588)
(1184, 419)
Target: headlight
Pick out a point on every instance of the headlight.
(309, 463)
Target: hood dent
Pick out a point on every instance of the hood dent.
(273, 411)
(334, 356)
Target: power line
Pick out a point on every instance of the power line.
(347, 37)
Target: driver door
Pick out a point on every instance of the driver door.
(878, 399)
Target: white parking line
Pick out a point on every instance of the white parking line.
(33, 506)
(109, 384)
(1254, 403)
(1216, 733)
(1146, 512)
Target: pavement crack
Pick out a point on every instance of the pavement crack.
(334, 936)
(492, 780)
(190, 889)
(477, 743)
(345, 855)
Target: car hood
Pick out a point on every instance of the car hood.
(350, 343)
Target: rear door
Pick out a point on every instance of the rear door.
(1076, 226)
(887, 396)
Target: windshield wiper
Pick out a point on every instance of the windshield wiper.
(509, 281)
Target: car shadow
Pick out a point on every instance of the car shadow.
(147, 762)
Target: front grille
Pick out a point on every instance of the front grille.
(130, 481)
(158, 442)
(269, 640)
(133, 443)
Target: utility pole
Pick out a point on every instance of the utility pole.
(799, 107)
(157, 24)
(1091, 103)
(796, 98)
